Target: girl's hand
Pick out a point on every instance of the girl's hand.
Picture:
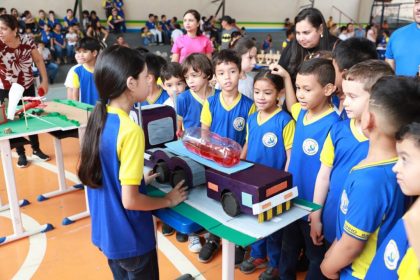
(150, 177)
(177, 195)
(276, 69)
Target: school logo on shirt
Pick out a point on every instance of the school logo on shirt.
(344, 202)
(269, 139)
(391, 255)
(310, 146)
(239, 124)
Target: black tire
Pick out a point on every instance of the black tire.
(177, 176)
(230, 204)
(163, 170)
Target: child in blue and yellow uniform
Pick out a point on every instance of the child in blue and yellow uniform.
(371, 201)
(311, 108)
(83, 86)
(226, 114)
(396, 258)
(157, 95)
(172, 81)
(111, 166)
(198, 72)
(269, 141)
(345, 147)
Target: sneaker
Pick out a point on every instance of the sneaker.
(251, 264)
(22, 161)
(194, 244)
(181, 237)
(167, 229)
(40, 155)
(269, 274)
(209, 249)
(239, 255)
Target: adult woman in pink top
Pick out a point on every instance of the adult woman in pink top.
(193, 41)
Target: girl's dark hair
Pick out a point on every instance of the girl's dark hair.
(411, 131)
(199, 63)
(197, 16)
(112, 69)
(276, 80)
(10, 21)
(322, 68)
(397, 98)
(298, 53)
(243, 45)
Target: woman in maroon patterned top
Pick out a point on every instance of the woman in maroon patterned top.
(17, 53)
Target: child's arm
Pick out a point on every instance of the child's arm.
(133, 200)
(179, 128)
(175, 57)
(343, 253)
(290, 91)
(288, 153)
(244, 150)
(320, 193)
(73, 94)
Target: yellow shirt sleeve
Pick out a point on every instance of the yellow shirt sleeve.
(206, 117)
(131, 155)
(288, 134)
(252, 110)
(296, 110)
(75, 80)
(327, 153)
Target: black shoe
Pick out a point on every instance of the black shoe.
(180, 237)
(209, 249)
(239, 255)
(167, 229)
(269, 274)
(40, 155)
(22, 161)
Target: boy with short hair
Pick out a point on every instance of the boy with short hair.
(157, 95)
(84, 88)
(346, 54)
(344, 147)
(226, 114)
(172, 81)
(371, 201)
(311, 108)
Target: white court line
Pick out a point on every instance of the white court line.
(37, 248)
(174, 255)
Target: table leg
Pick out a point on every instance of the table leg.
(62, 187)
(9, 175)
(228, 260)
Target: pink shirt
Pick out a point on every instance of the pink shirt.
(185, 45)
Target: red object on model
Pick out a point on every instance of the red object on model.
(41, 91)
(209, 145)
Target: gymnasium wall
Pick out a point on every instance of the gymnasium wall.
(256, 13)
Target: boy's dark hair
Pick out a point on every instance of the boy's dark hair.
(151, 15)
(368, 72)
(398, 100)
(89, 44)
(352, 51)
(85, 12)
(114, 66)
(177, 26)
(320, 67)
(289, 32)
(172, 69)
(276, 80)
(69, 10)
(228, 19)
(199, 63)
(154, 64)
(225, 56)
(411, 131)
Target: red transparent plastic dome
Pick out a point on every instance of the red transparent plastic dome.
(212, 146)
